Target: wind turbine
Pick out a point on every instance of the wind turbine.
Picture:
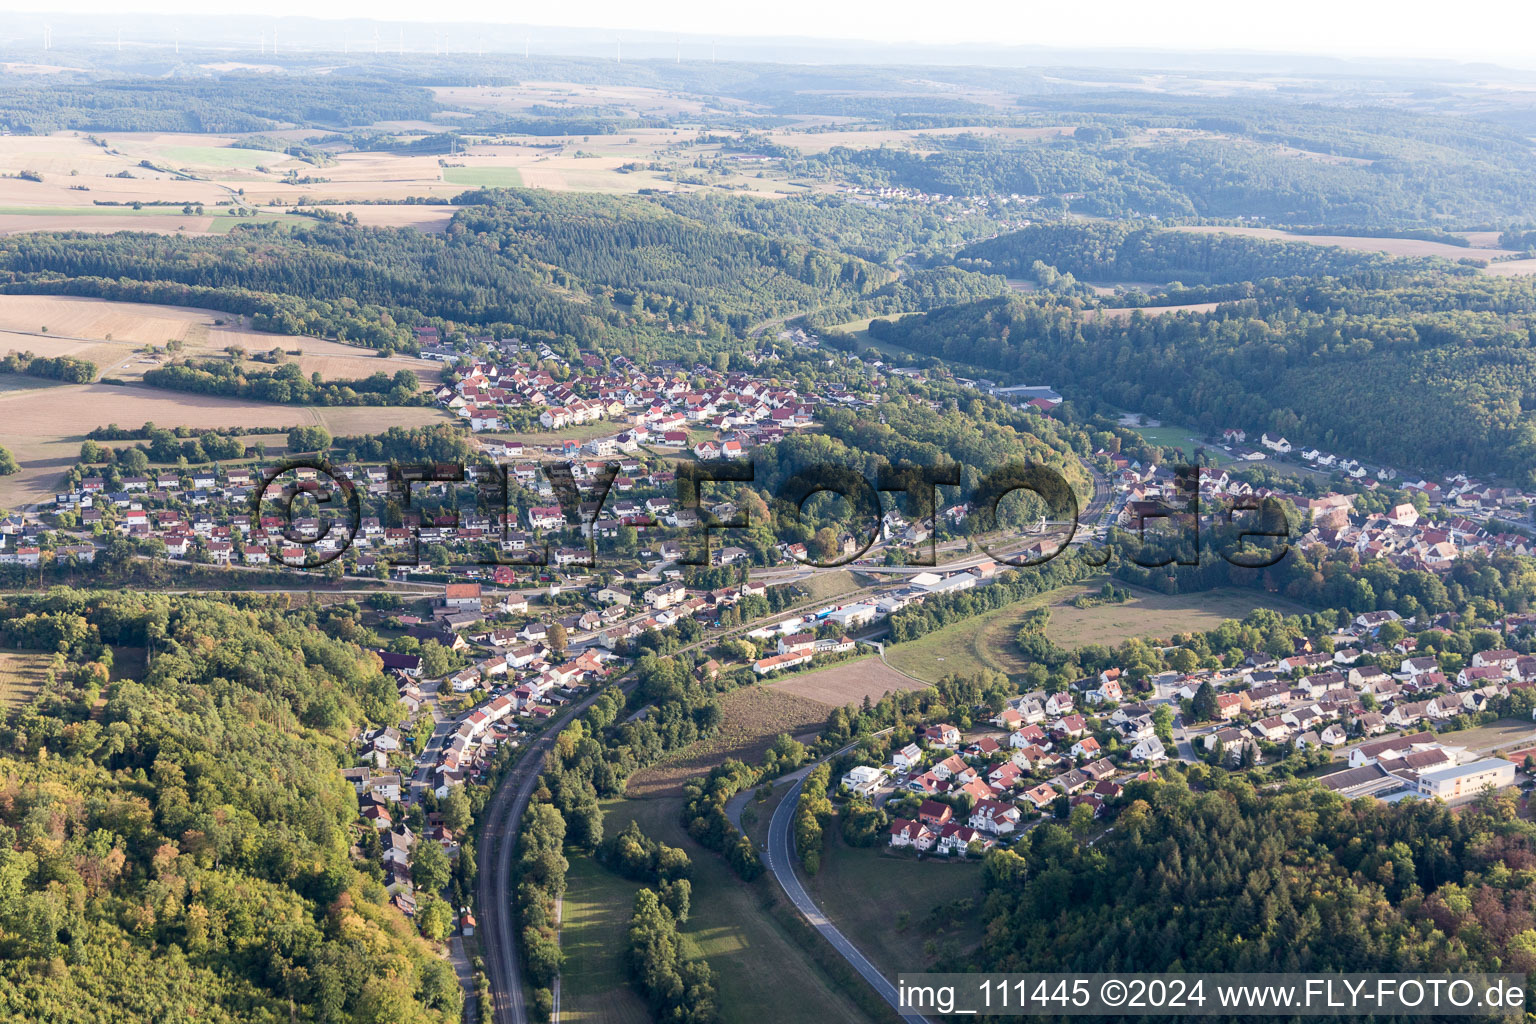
(47, 37)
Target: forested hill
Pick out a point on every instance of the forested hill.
(1449, 361)
(652, 259)
(1135, 155)
(1112, 252)
(231, 103)
(561, 265)
(187, 844)
(1234, 880)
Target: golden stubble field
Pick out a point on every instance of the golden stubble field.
(1484, 244)
(79, 175)
(43, 423)
(112, 334)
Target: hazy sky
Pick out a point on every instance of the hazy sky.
(1498, 29)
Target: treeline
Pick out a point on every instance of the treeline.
(222, 104)
(509, 262)
(1233, 159)
(1316, 361)
(651, 260)
(1111, 252)
(1522, 239)
(438, 443)
(813, 812)
(705, 818)
(113, 432)
(102, 267)
(165, 447)
(591, 759)
(833, 222)
(1233, 879)
(540, 879)
(286, 385)
(678, 988)
(196, 804)
(64, 368)
(940, 610)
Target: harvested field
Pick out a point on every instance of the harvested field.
(422, 217)
(1512, 268)
(21, 675)
(484, 177)
(848, 682)
(109, 334)
(754, 716)
(43, 427)
(1390, 246)
(14, 221)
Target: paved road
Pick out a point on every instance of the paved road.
(442, 727)
(780, 858)
(497, 840)
(505, 810)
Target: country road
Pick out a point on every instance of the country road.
(780, 858)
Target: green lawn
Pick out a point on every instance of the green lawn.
(593, 986)
(1185, 440)
(971, 645)
(485, 177)
(763, 975)
(986, 641)
(883, 902)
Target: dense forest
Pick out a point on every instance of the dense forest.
(559, 265)
(286, 384)
(1131, 155)
(187, 843)
(1449, 360)
(1230, 879)
(230, 103)
(1114, 252)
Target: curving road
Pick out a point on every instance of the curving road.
(780, 857)
(505, 810)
